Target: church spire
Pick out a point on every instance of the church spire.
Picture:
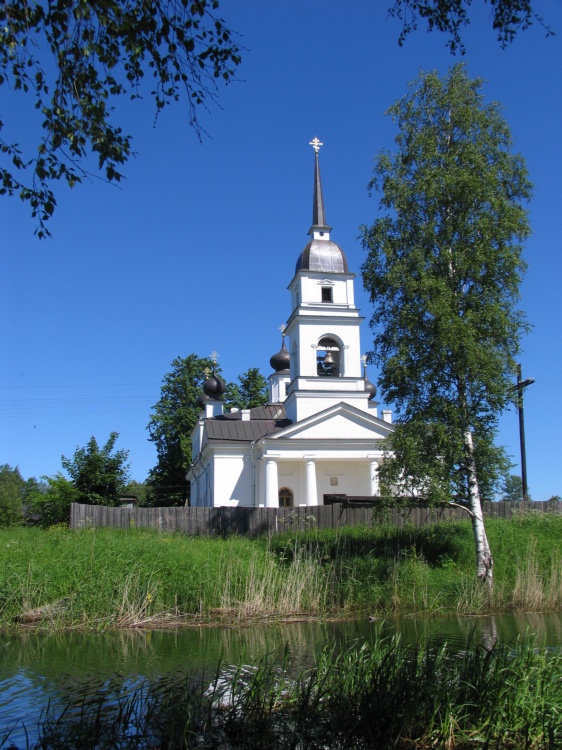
(319, 224)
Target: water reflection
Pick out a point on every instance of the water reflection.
(61, 668)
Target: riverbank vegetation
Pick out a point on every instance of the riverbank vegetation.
(379, 693)
(99, 578)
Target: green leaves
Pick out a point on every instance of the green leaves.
(443, 270)
(171, 424)
(451, 16)
(99, 474)
(512, 489)
(52, 503)
(251, 392)
(74, 57)
(12, 496)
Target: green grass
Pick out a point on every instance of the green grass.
(109, 577)
(105, 577)
(379, 694)
(431, 569)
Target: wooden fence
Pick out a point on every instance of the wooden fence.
(258, 521)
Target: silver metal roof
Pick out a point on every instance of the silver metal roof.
(322, 255)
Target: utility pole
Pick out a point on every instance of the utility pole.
(521, 384)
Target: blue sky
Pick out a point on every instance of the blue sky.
(195, 251)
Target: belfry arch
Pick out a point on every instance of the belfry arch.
(329, 359)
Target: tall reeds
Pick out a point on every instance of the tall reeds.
(268, 588)
(537, 588)
(380, 694)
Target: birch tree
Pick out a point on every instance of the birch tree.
(443, 270)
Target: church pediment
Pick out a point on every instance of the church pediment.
(339, 422)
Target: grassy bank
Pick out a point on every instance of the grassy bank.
(129, 578)
(380, 694)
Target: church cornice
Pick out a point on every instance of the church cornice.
(321, 275)
(347, 316)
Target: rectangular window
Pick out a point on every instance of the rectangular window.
(327, 294)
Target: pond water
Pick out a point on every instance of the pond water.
(57, 669)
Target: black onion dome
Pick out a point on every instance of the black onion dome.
(214, 387)
(322, 255)
(282, 360)
(371, 389)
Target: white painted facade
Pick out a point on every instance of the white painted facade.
(320, 434)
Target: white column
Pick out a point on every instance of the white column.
(345, 372)
(271, 484)
(374, 475)
(311, 490)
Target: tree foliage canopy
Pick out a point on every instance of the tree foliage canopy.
(52, 503)
(12, 495)
(250, 391)
(16, 495)
(451, 16)
(75, 57)
(443, 271)
(512, 489)
(99, 474)
(171, 424)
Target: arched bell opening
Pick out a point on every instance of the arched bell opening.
(286, 497)
(328, 358)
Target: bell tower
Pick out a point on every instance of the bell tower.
(324, 325)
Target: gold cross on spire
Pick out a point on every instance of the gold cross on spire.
(214, 356)
(315, 143)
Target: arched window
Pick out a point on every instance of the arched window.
(328, 358)
(285, 497)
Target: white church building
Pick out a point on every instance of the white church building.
(320, 433)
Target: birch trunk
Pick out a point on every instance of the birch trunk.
(484, 561)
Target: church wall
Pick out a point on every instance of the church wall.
(196, 436)
(306, 289)
(277, 385)
(233, 479)
(290, 476)
(260, 482)
(350, 292)
(343, 478)
(202, 490)
(206, 485)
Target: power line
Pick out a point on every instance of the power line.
(82, 385)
